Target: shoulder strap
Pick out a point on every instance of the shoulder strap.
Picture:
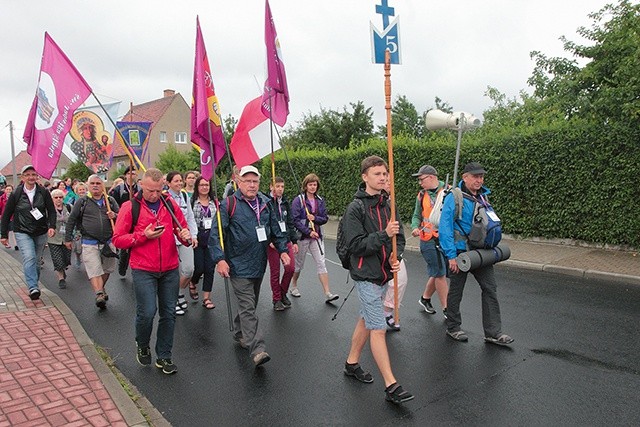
(135, 212)
(231, 201)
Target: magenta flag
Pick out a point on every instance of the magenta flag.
(61, 90)
(206, 123)
(275, 98)
(252, 138)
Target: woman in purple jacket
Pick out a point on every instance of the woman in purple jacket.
(309, 214)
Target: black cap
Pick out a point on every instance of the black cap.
(129, 169)
(474, 168)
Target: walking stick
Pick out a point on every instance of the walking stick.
(345, 299)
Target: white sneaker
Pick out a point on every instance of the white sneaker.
(331, 297)
(295, 292)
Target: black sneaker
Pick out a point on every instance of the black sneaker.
(391, 324)
(101, 301)
(426, 304)
(286, 301)
(394, 393)
(143, 355)
(62, 284)
(444, 313)
(34, 294)
(356, 371)
(167, 366)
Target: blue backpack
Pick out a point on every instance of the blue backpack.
(486, 227)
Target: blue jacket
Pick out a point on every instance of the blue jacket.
(246, 256)
(452, 232)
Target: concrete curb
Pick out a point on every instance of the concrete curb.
(131, 413)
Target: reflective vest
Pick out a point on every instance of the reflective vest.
(426, 228)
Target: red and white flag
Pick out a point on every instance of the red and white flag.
(252, 139)
(61, 90)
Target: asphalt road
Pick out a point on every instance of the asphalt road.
(574, 360)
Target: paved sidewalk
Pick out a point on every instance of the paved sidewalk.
(579, 261)
(50, 371)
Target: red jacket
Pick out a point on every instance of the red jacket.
(155, 255)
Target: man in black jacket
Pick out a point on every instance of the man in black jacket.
(368, 230)
(122, 193)
(93, 215)
(34, 220)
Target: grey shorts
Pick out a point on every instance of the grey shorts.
(371, 311)
(96, 264)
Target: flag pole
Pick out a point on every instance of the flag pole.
(394, 248)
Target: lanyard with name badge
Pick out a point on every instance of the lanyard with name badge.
(261, 232)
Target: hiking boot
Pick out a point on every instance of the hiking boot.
(101, 302)
(143, 355)
(458, 336)
(295, 292)
(62, 284)
(426, 304)
(391, 324)
(355, 370)
(394, 393)
(331, 297)
(278, 306)
(502, 339)
(167, 366)
(261, 358)
(286, 301)
(34, 294)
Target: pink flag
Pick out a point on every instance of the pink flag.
(275, 98)
(206, 123)
(252, 139)
(61, 90)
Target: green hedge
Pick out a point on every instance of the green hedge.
(564, 180)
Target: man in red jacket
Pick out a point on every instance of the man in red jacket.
(154, 265)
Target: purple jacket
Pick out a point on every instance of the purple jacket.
(300, 216)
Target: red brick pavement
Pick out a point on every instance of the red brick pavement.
(45, 378)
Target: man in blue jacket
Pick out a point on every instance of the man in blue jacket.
(249, 224)
(454, 229)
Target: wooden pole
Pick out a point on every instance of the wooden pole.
(392, 192)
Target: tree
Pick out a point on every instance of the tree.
(77, 170)
(172, 159)
(405, 120)
(608, 86)
(331, 129)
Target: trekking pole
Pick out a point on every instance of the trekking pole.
(345, 298)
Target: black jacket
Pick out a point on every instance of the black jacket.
(91, 219)
(283, 213)
(19, 207)
(369, 244)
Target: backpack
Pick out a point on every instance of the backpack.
(342, 246)
(486, 227)
(436, 211)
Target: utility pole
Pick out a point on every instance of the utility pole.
(13, 156)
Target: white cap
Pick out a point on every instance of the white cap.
(248, 169)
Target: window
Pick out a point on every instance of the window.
(181, 137)
(163, 136)
(120, 165)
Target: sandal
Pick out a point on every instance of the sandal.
(503, 339)
(193, 291)
(208, 304)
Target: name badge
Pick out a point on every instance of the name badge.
(206, 223)
(63, 229)
(283, 226)
(493, 216)
(36, 213)
(262, 233)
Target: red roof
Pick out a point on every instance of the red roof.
(151, 111)
(22, 159)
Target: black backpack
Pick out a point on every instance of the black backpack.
(342, 246)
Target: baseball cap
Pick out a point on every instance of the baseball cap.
(474, 168)
(248, 169)
(26, 168)
(426, 170)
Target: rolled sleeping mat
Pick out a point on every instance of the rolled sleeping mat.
(477, 258)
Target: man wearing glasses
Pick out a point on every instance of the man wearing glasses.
(34, 220)
(249, 225)
(93, 215)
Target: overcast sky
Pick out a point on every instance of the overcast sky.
(132, 50)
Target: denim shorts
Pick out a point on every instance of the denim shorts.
(436, 262)
(370, 296)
